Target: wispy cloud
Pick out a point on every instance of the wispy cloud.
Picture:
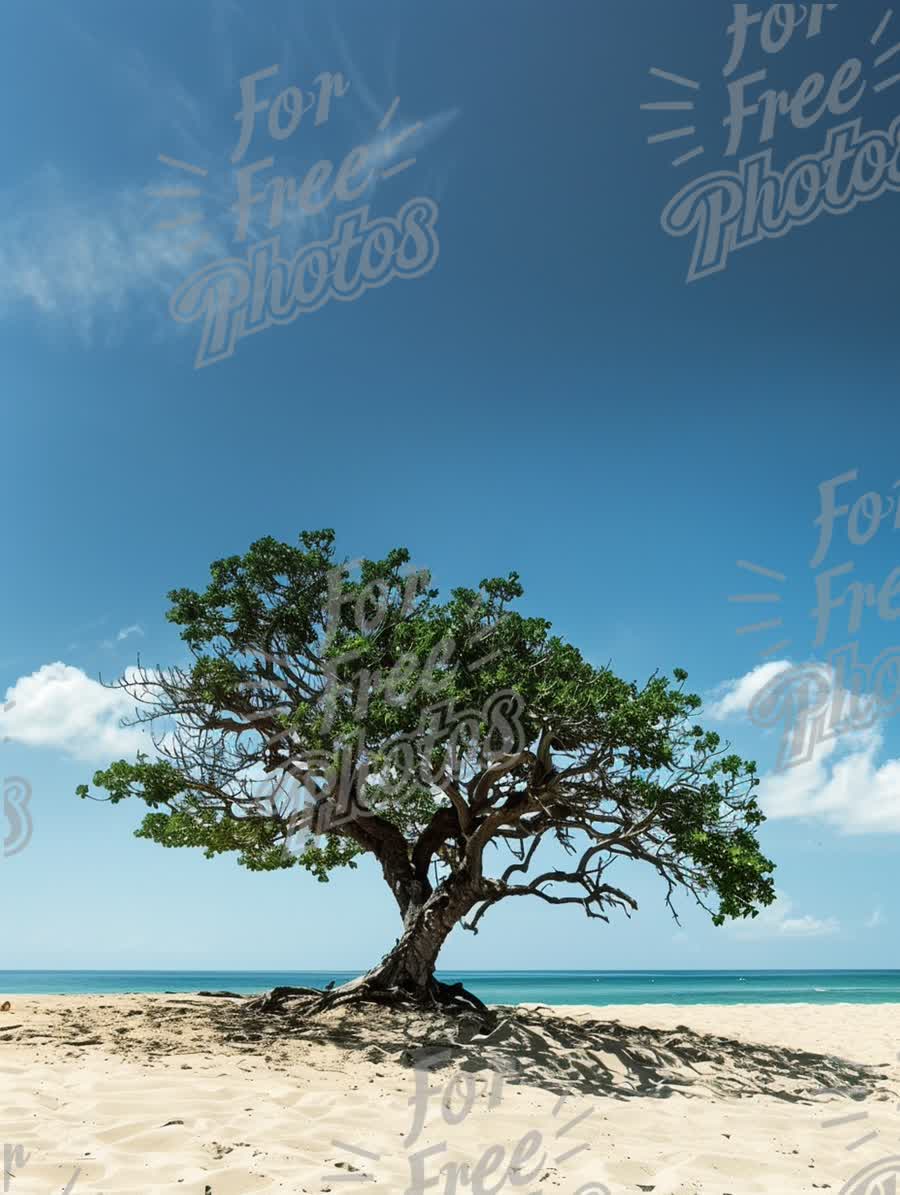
(122, 635)
(165, 105)
(780, 920)
(81, 256)
(92, 257)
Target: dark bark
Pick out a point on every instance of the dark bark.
(406, 975)
(408, 969)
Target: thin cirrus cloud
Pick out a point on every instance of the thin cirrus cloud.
(83, 257)
(94, 259)
(846, 782)
(89, 259)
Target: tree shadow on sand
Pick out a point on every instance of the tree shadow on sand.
(561, 1054)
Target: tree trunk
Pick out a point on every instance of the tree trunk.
(408, 969)
(406, 973)
(410, 965)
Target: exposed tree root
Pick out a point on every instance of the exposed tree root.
(276, 1000)
(451, 999)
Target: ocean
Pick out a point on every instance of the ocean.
(508, 987)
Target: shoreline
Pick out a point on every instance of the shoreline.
(553, 988)
(12, 996)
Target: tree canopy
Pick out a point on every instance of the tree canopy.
(329, 711)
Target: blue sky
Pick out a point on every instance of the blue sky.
(549, 396)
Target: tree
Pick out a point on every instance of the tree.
(455, 742)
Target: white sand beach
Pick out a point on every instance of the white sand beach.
(189, 1094)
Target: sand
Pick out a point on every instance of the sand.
(194, 1095)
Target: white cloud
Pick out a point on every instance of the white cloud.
(840, 779)
(780, 921)
(61, 707)
(736, 696)
(844, 784)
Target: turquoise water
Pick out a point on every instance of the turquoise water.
(510, 987)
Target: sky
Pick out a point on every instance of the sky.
(516, 374)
